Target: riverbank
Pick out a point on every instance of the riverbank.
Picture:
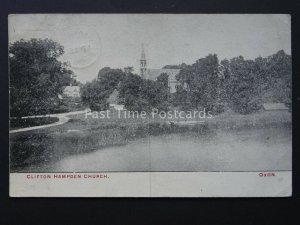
(82, 135)
(253, 149)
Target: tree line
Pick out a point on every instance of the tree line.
(134, 92)
(239, 84)
(37, 78)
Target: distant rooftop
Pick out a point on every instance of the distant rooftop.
(152, 74)
(71, 91)
(113, 97)
(274, 106)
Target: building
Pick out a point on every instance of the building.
(275, 107)
(143, 63)
(113, 101)
(71, 91)
(152, 74)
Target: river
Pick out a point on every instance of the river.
(235, 150)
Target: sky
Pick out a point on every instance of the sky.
(94, 41)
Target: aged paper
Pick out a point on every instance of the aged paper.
(150, 105)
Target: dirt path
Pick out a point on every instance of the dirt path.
(62, 118)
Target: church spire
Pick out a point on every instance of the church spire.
(143, 63)
(143, 57)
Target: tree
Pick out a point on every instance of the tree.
(243, 91)
(130, 91)
(274, 74)
(199, 83)
(163, 79)
(242, 84)
(36, 76)
(140, 94)
(156, 94)
(93, 95)
(250, 83)
(109, 79)
(96, 93)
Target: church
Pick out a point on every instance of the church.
(152, 74)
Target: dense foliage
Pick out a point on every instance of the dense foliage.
(243, 85)
(36, 76)
(240, 84)
(94, 96)
(138, 94)
(199, 84)
(135, 93)
(163, 79)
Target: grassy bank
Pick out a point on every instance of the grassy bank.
(29, 148)
(81, 135)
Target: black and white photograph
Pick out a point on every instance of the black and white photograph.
(139, 105)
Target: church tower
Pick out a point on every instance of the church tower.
(143, 63)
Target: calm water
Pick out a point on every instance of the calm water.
(243, 150)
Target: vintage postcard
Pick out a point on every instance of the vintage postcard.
(150, 105)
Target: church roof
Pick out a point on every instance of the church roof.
(143, 56)
(113, 97)
(68, 89)
(152, 74)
